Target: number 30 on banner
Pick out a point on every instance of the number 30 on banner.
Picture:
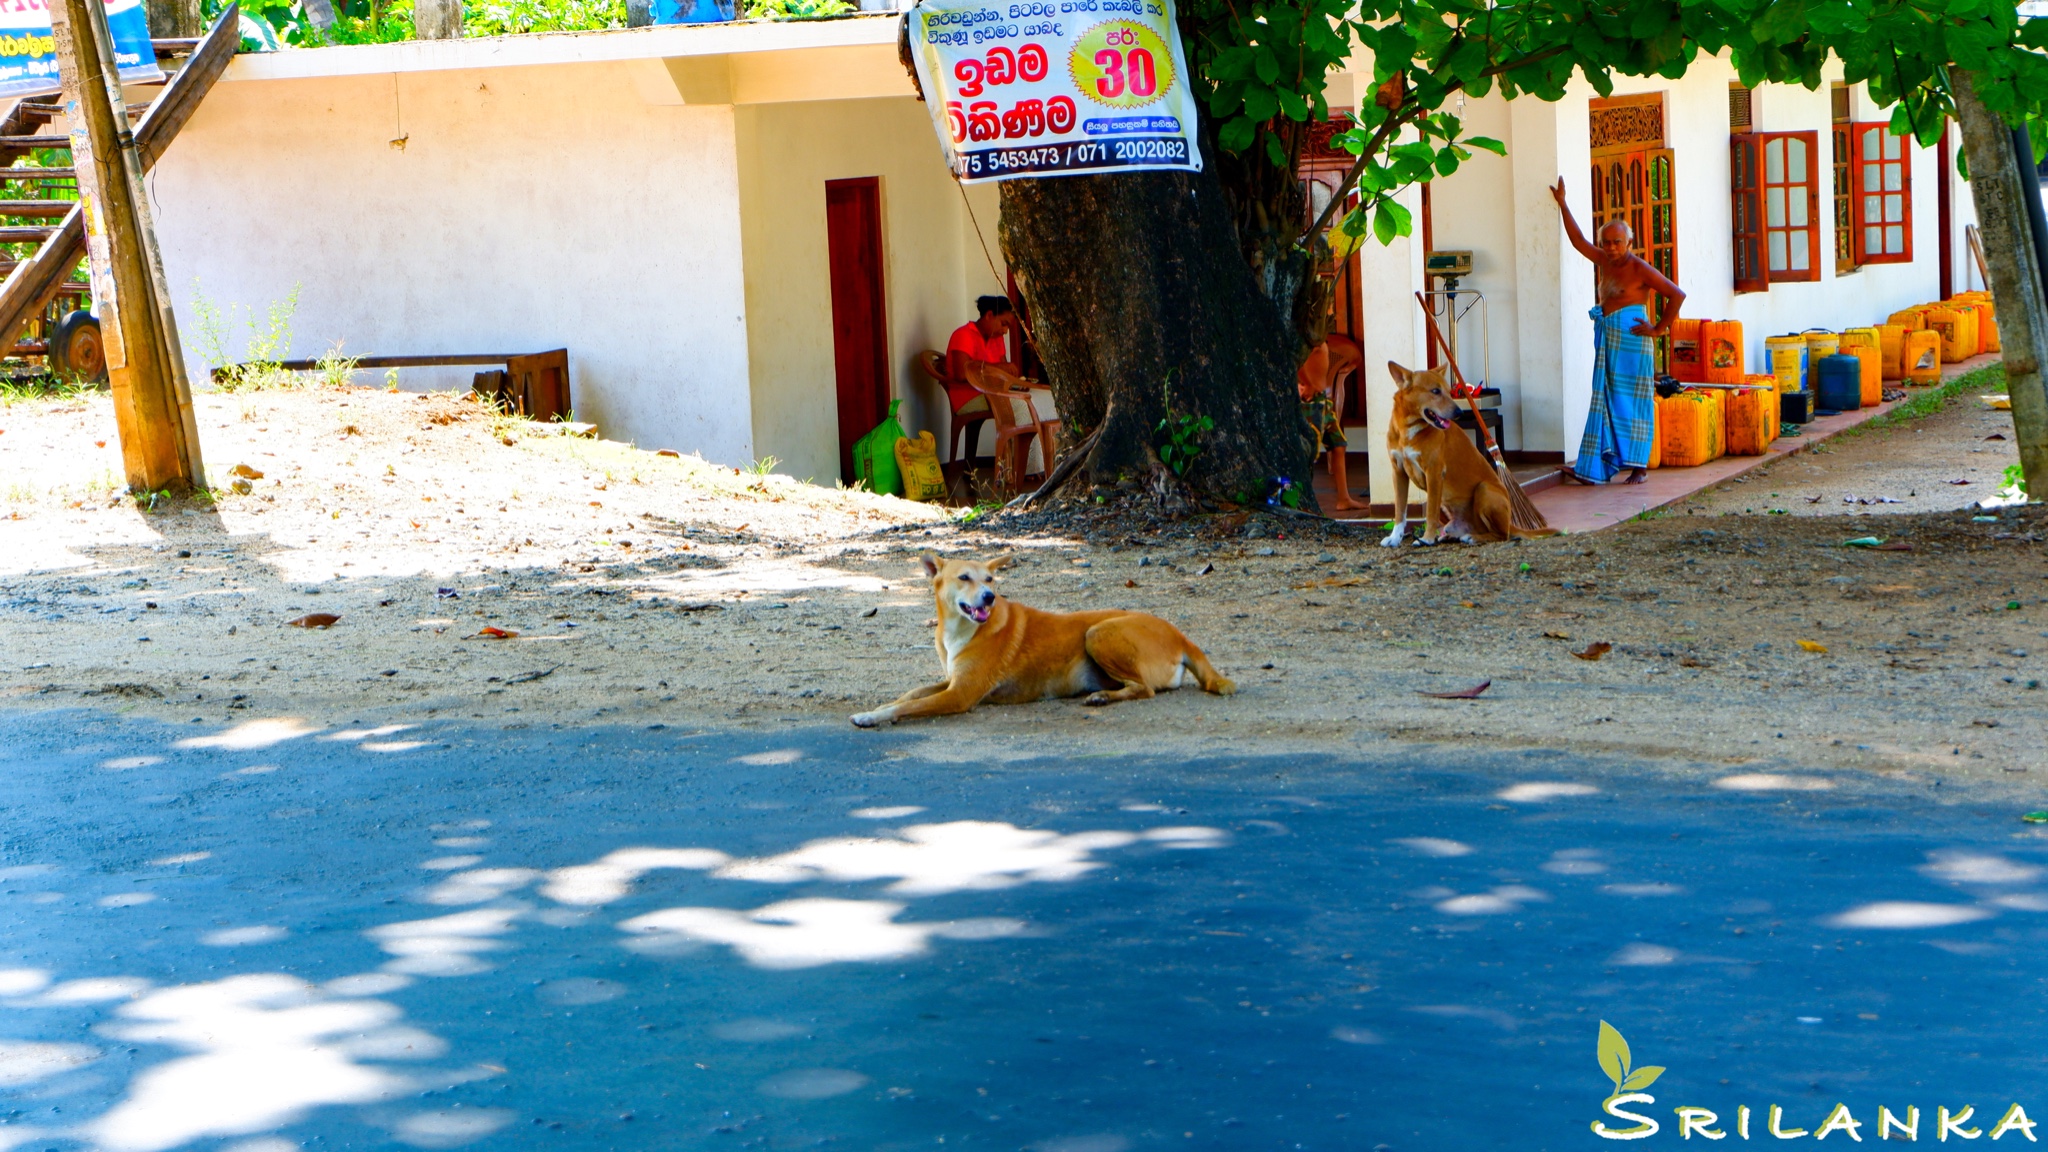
(1121, 64)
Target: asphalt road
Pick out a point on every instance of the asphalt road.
(269, 938)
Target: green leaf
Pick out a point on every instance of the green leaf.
(1260, 103)
(1383, 228)
(1642, 1078)
(1485, 142)
(1613, 1054)
(1236, 134)
(1267, 67)
(1404, 223)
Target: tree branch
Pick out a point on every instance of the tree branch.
(1394, 124)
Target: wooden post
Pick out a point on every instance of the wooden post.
(2001, 190)
(152, 399)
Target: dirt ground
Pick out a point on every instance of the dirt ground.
(1943, 462)
(652, 590)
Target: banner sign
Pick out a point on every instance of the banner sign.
(28, 60)
(1055, 87)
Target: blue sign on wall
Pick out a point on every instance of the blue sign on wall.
(28, 63)
(693, 11)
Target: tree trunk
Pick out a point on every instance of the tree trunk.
(2000, 188)
(437, 19)
(175, 18)
(1143, 308)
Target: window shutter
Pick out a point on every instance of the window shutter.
(1741, 108)
(1745, 194)
(1843, 155)
(1882, 178)
(1790, 180)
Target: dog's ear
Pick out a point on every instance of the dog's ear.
(1001, 562)
(1399, 374)
(930, 561)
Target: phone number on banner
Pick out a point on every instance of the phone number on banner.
(1081, 156)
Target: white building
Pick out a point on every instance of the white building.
(1538, 292)
(655, 200)
(686, 208)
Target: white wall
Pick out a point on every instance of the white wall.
(1391, 274)
(933, 264)
(1469, 212)
(531, 208)
(1697, 131)
(1539, 292)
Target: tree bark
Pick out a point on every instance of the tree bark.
(1999, 189)
(437, 19)
(175, 18)
(1138, 294)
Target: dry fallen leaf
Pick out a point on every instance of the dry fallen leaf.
(1595, 650)
(1694, 662)
(491, 633)
(1130, 583)
(1467, 604)
(314, 620)
(1557, 636)
(243, 470)
(669, 452)
(1332, 582)
(1471, 693)
(1813, 646)
(1894, 546)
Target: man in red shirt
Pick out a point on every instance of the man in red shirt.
(985, 339)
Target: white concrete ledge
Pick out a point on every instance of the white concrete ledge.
(659, 42)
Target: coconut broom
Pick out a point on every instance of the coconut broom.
(1523, 511)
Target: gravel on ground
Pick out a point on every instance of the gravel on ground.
(491, 569)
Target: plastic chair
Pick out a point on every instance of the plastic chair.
(965, 435)
(1017, 423)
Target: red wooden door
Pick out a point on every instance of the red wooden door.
(860, 320)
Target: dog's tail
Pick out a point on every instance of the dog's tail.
(1521, 533)
(1212, 681)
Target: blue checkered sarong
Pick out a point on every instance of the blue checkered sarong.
(1623, 416)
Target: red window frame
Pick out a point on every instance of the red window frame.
(1881, 180)
(1745, 194)
(1789, 188)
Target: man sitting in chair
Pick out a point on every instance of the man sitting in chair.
(985, 339)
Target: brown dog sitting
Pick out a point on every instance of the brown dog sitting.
(1467, 500)
(996, 651)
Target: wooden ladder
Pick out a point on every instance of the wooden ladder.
(42, 287)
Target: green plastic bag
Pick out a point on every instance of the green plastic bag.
(874, 456)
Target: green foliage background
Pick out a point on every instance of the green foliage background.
(1263, 66)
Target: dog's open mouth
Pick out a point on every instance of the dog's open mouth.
(1436, 420)
(975, 612)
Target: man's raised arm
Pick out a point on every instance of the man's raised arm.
(1571, 226)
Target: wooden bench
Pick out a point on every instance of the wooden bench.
(535, 385)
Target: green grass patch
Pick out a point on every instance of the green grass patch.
(1920, 405)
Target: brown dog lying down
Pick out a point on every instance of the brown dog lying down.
(996, 651)
(1467, 500)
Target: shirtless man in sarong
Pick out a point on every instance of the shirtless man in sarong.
(1623, 414)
